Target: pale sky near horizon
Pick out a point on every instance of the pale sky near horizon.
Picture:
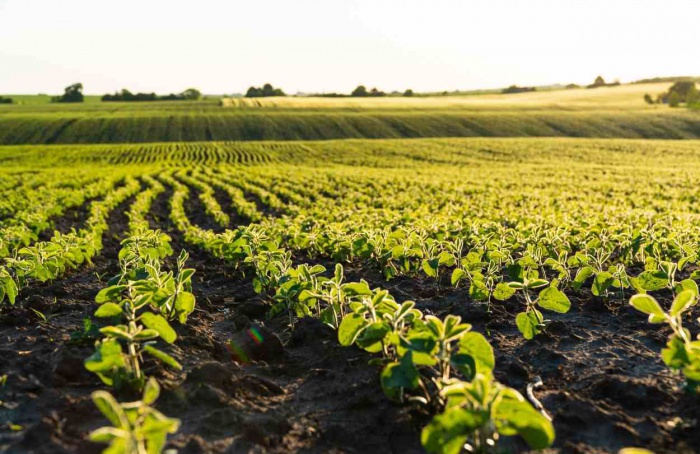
(224, 46)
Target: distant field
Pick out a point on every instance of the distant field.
(604, 112)
(624, 97)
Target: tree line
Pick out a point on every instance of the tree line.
(191, 94)
(600, 82)
(74, 94)
(361, 91)
(682, 92)
(265, 91)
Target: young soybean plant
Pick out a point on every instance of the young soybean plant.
(140, 288)
(445, 346)
(115, 366)
(682, 353)
(477, 413)
(137, 428)
(532, 322)
(8, 287)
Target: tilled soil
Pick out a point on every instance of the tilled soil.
(299, 391)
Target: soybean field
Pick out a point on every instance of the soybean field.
(438, 295)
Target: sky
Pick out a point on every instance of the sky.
(225, 46)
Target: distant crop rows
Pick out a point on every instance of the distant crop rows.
(473, 152)
(530, 221)
(247, 125)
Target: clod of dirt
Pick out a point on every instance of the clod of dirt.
(259, 386)
(252, 308)
(210, 395)
(196, 445)
(211, 372)
(70, 368)
(309, 330)
(36, 302)
(255, 343)
(265, 429)
(634, 393)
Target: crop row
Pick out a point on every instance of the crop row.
(437, 364)
(69, 127)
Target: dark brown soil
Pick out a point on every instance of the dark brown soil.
(72, 218)
(604, 381)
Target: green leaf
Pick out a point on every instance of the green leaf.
(457, 275)
(159, 324)
(146, 334)
(478, 290)
(151, 391)
(422, 344)
(110, 435)
(185, 302)
(108, 310)
(350, 327)
(634, 451)
(109, 407)
(527, 323)
(115, 331)
(537, 283)
(503, 291)
(338, 273)
(446, 259)
(10, 288)
(106, 359)
(554, 299)
(397, 375)
(357, 288)
(430, 267)
(162, 356)
(475, 345)
(111, 293)
(516, 413)
(466, 364)
(646, 304)
(373, 335)
(185, 275)
(447, 432)
(675, 355)
(602, 283)
(687, 284)
(652, 280)
(581, 277)
(682, 302)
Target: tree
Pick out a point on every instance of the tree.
(684, 89)
(73, 93)
(408, 93)
(674, 99)
(192, 94)
(648, 99)
(515, 89)
(4, 100)
(693, 97)
(599, 81)
(360, 92)
(266, 91)
(680, 92)
(253, 92)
